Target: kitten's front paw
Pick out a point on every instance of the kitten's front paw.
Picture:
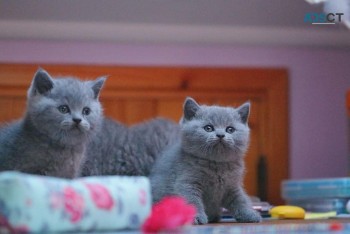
(201, 219)
(247, 216)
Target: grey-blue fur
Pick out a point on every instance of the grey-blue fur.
(206, 166)
(121, 150)
(61, 117)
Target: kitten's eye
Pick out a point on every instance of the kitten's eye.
(64, 109)
(86, 111)
(208, 128)
(230, 129)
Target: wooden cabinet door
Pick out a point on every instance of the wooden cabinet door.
(135, 94)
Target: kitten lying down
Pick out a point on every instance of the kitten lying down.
(64, 134)
(207, 165)
(121, 150)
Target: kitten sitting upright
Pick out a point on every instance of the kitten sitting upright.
(206, 166)
(61, 116)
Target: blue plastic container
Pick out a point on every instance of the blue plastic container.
(316, 188)
(318, 195)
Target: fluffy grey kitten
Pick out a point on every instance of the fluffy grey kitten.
(61, 116)
(121, 150)
(206, 166)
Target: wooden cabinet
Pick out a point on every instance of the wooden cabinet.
(134, 94)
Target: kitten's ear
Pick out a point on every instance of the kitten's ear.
(190, 108)
(42, 83)
(97, 86)
(244, 111)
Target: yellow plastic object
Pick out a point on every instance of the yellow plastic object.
(287, 212)
(321, 215)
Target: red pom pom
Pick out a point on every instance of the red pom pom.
(336, 227)
(169, 214)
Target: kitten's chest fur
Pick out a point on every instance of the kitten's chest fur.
(58, 160)
(215, 178)
(34, 153)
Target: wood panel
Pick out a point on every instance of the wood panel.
(348, 111)
(348, 102)
(134, 94)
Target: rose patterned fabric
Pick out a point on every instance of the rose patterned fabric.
(45, 204)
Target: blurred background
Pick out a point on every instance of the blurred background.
(206, 33)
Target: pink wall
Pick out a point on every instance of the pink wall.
(319, 79)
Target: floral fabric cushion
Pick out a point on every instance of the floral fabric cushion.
(45, 204)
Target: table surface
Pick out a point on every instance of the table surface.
(268, 226)
(280, 226)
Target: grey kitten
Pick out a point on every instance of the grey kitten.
(206, 166)
(61, 116)
(121, 150)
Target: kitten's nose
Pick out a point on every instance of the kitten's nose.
(220, 135)
(77, 120)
